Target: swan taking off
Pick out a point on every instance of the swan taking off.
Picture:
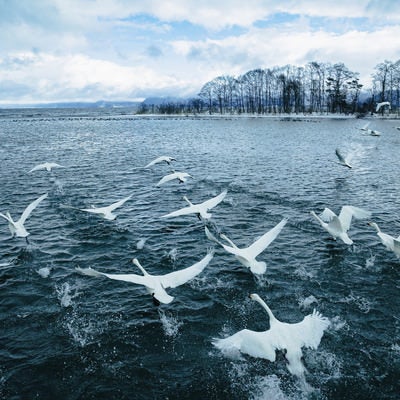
(105, 212)
(280, 336)
(388, 241)
(181, 176)
(161, 159)
(156, 284)
(17, 228)
(247, 256)
(202, 209)
(379, 105)
(338, 226)
(48, 166)
(342, 160)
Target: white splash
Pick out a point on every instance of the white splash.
(173, 253)
(140, 244)
(64, 294)
(170, 324)
(268, 387)
(306, 302)
(44, 272)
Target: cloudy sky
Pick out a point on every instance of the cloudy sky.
(87, 50)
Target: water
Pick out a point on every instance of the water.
(68, 336)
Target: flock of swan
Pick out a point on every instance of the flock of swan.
(288, 337)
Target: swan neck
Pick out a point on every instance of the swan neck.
(136, 262)
(266, 308)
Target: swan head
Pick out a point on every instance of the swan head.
(374, 225)
(254, 296)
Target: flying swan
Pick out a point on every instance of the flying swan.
(247, 256)
(17, 228)
(280, 336)
(156, 284)
(181, 176)
(161, 159)
(201, 209)
(338, 226)
(342, 160)
(388, 241)
(105, 212)
(47, 166)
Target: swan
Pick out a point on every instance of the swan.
(161, 159)
(47, 166)
(201, 209)
(379, 105)
(338, 226)
(280, 336)
(247, 256)
(342, 160)
(388, 241)
(17, 228)
(181, 176)
(156, 284)
(105, 212)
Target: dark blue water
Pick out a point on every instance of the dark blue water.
(69, 336)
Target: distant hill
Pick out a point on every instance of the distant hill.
(78, 104)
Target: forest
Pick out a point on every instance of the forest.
(314, 88)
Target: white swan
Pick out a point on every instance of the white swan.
(379, 105)
(247, 256)
(17, 228)
(156, 284)
(48, 166)
(342, 160)
(338, 226)
(280, 336)
(202, 209)
(105, 212)
(161, 159)
(181, 176)
(388, 241)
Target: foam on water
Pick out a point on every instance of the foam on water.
(170, 323)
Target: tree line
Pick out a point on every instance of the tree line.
(314, 88)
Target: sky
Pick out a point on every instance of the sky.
(118, 50)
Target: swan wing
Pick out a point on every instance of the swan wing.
(118, 203)
(347, 212)
(133, 278)
(167, 178)
(37, 167)
(211, 203)
(327, 215)
(177, 278)
(31, 207)
(255, 344)
(308, 332)
(265, 240)
(340, 156)
(182, 211)
(156, 161)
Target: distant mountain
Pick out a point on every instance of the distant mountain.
(163, 100)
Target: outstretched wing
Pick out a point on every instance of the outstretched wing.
(118, 203)
(327, 215)
(5, 217)
(30, 208)
(265, 240)
(167, 178)
(133, 278)
(309, 332)
(182, 211)
(347, 212)
(211, 203)
(249, 342)
(177, 278)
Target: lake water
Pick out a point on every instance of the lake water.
(69, 336)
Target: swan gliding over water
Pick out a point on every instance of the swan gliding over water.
(201, 209)
(388, 241)
(156, 284)
(280, 336)
(338, 226)
(47, 166)
(105, 212)
(161, 159)
(342, 160)
(247, 256)
(17, 228)
(181, 176)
